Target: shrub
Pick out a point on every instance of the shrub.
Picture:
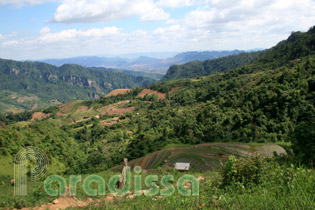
(247, 171)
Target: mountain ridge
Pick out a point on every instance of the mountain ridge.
(210, 66)
(141, 62)
(39, 84)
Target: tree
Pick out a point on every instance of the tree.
(303, 143)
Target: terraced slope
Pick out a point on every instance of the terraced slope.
(203, 156)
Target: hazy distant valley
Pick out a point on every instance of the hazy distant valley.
(143, 63)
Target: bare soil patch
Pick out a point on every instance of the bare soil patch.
(13, 96)
(59, 114)
(67, 201)
(83, 109)
(39, 116)
(174, 89)
(149, 92)
(118, 92)
(26, 98)
(112, 109)
(111, 122)
(61, 203)
(35, 106)
(3, 125)
(66, 108)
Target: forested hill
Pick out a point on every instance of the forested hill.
(196, 69)
(27, 85)
(298, 45)
(269, 100)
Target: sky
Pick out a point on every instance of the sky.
(40, 29)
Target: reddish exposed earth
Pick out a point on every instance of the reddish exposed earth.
(39, 116)
(149, 92)
(117, 92)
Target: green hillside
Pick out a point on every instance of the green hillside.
(296, 46)
(204, 68)
(261, 102)
(31, 85)
(269, 101)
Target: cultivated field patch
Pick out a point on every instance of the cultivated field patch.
(39, 116)
(203, 157)
(118, 92)
(149, 92)
(116, 108)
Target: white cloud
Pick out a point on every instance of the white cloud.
(171, 21)
(73, 35)
(154, 15)
(107, 10)
(65, 43)
(10, 43)
(217, 25)
(174, 3)
(168, 30)
(261, 22)
(253, 14)
(7, 36)
(44, 30)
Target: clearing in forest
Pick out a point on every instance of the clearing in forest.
(118, 92)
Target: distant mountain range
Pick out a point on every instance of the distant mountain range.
(143, 63)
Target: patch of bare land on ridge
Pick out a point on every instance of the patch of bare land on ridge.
(118, 92)
(150, 92)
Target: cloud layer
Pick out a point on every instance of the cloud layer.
(107, 10)
(208, 25)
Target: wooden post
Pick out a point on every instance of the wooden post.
(123, 174)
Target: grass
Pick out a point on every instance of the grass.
(287, 195)
(293, 188)
(298, 193)
(6, 167)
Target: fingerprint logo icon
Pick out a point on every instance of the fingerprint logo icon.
(32, 160)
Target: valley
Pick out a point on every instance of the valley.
(245, 123)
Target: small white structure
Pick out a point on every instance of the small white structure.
(182, 166)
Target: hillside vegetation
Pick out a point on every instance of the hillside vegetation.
(204, 68)
(261, 102)
(32, 85)
(296, 46)
(271, 100)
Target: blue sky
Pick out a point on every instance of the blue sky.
(39, 29)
